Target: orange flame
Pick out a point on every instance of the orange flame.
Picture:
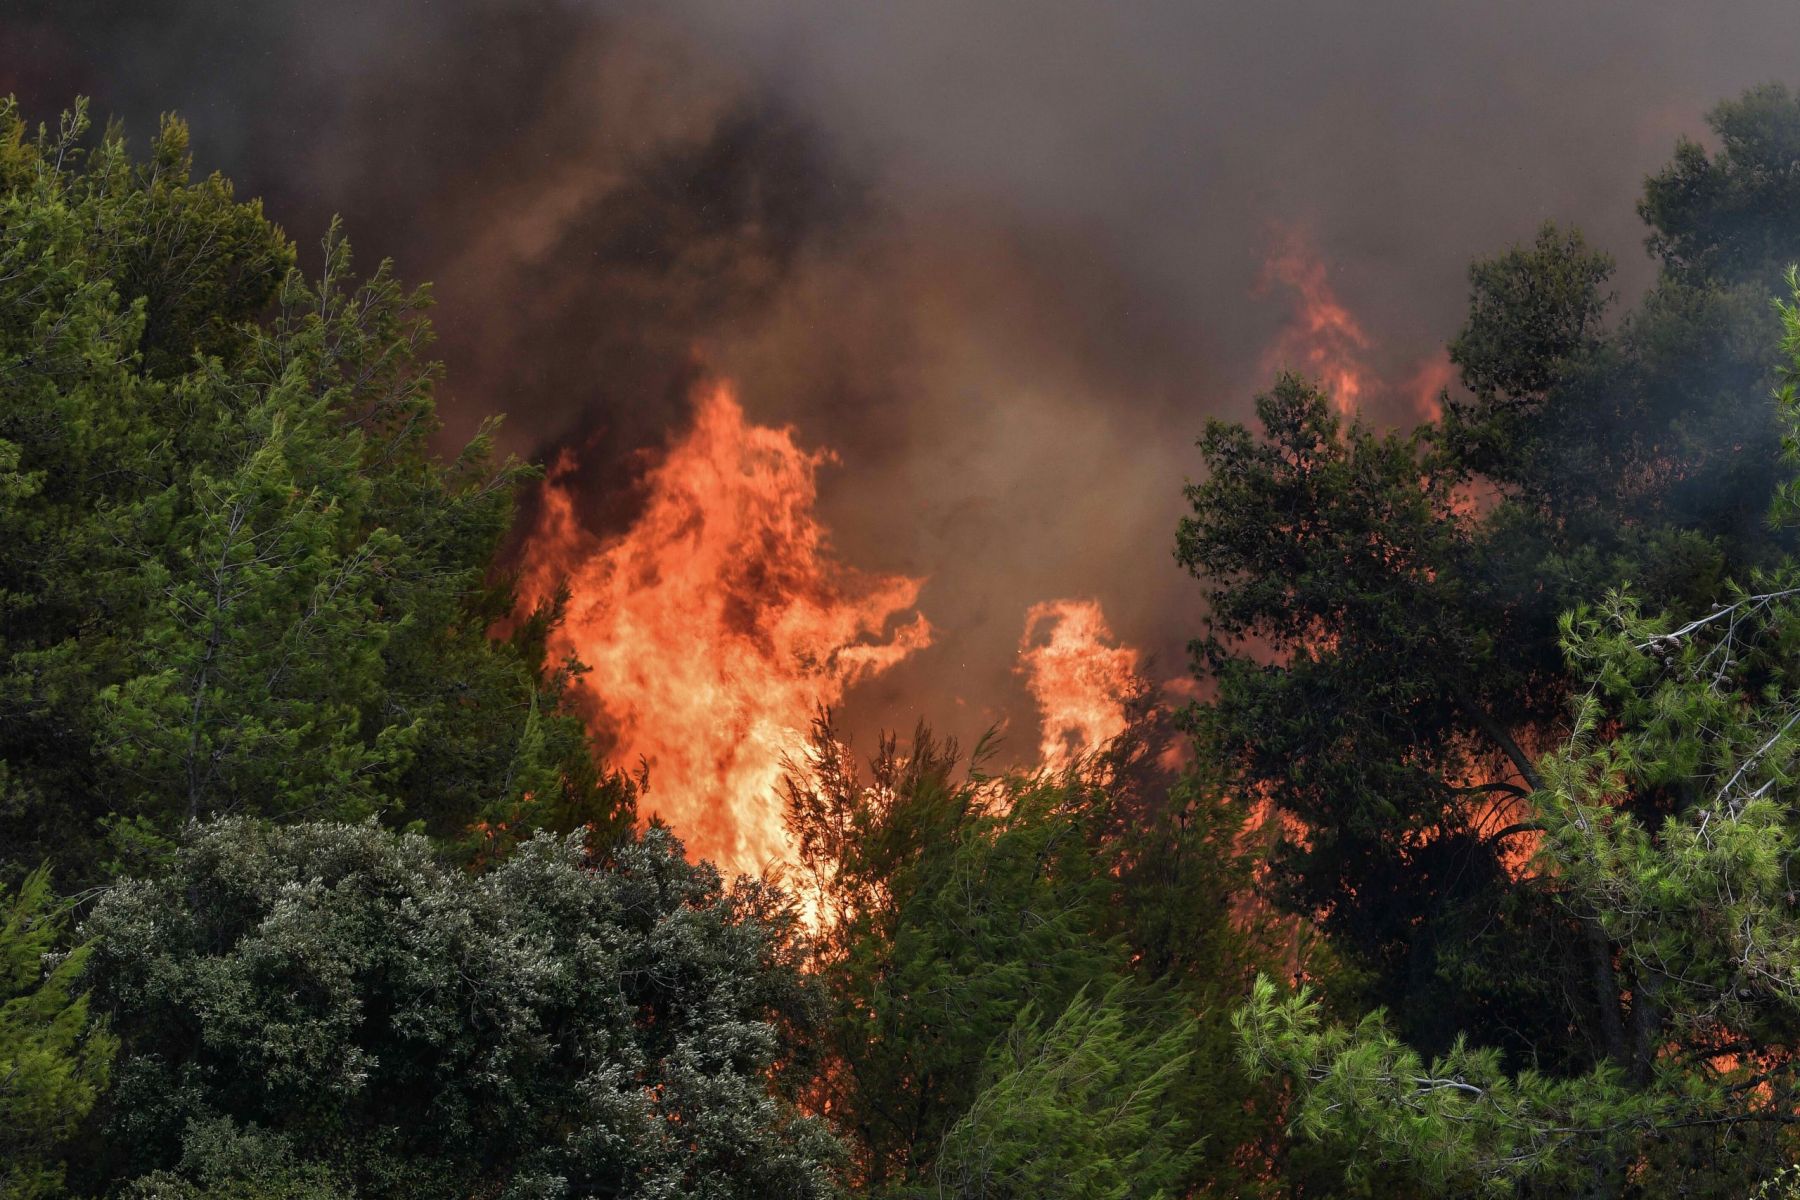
(1426, 386)
(1323, 337)
(715, 625)
(1079, 676)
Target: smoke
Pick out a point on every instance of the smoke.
(1003, 258)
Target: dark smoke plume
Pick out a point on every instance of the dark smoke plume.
(1003, 257)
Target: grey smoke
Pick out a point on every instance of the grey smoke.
(1004, 256)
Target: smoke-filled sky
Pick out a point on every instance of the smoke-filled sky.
(1004, 258)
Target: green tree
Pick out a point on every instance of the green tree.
(1369, 671)
(368, 1018)
(948, 906)
(233, 576)
(219, 1161)
(1382, 638)
(1083, 1107)
(1732, 213)
(53, 1060)
(962, 915)
(1670, 831)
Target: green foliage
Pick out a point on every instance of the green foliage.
(1383, 609)
(1532, 313)
(1672, 838)
(1538, 363)
(964, 915)
(1783, 1185)
(1459, 1124)
(1785, 509)
(53, 1060)
(1367, 672)
(1081, 1108)
(949, 906)
(221, 1162)
(1732, 213)
(1180, 855)
(1670, 835)
(372, 1019)
(233, 578)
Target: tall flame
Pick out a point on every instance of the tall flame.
(1079, 676)
(1323, 338)
(716, 624)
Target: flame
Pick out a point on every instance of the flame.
(716, 625)
(1079, 676)
(1426, 386)
(1323, 336)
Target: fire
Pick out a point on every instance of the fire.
(1323, 336)
(1426, 386)
(716, 625)
(1079, 676)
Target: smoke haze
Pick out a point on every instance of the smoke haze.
(1004, 258)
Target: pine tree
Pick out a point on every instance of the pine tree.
(1382, 637)
(234, 577)
(1083, 1107)
(54, 1061)
(963, 914)
(1669, 833)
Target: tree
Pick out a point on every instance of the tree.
(1084, 1107)
(53, 1060)
(946, 908)
(1669, 830)
(1368, 674)
(1532, 354)
(1731, 214)
(367, 1018)
(1382, 638)
(1534, 313)
(962, 914)
(233, 576)
(219, 1161)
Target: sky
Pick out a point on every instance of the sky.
(1004, 259)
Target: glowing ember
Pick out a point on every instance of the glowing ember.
(716, 624)
(1323, 340)
(1080, 678)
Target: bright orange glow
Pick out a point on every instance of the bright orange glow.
(1079, 676)
(1323, 339)
(716, 624)
(1427, 384)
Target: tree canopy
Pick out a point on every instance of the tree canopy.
(341, 998)
(1382, 645)
(235, 577)
(1521, 681)
(54, 1062)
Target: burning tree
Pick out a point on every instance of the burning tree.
(1020, 964)
(1666, 861)
(711, 630)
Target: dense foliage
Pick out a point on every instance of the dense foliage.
(234, 579)
(53, 1060)
(1663, 831)
(338, 997)
(986, 936)
(1530, 835)
(1471, 872)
